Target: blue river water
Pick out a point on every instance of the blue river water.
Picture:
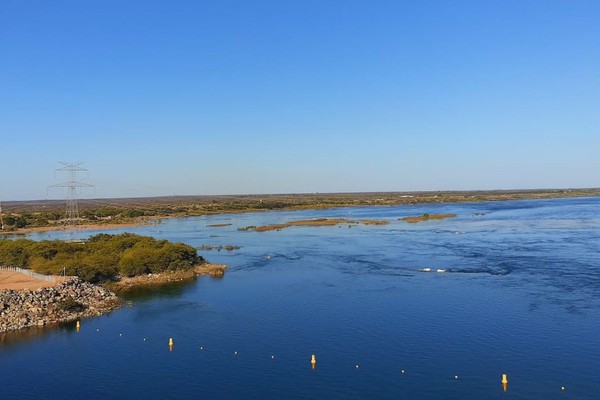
(521, 296)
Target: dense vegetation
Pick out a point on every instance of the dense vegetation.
(103, 257)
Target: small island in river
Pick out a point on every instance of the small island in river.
(426, 217)
(314, 222)
(32, 292)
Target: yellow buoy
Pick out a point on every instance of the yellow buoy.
(77, 326)
(504, 382)
(313, 359)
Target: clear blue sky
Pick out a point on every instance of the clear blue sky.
(163, 97)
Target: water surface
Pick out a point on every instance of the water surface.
(521, 296)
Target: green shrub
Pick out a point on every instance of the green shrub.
(103, 257)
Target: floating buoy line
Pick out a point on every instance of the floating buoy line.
(313, 360)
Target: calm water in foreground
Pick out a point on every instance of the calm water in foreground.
(522, 297)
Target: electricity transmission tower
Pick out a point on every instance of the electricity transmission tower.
(72, 211)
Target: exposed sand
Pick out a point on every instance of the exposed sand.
(11, 280)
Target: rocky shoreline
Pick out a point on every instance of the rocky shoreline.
(69, 301)
(74, 298)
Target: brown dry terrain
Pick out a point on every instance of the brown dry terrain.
(109, 213)
(318, 222)
(427, 217)
(84, 226)
(11, 280)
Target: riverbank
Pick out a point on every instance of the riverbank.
(86, 226)
(44, 215)
(71, 300)
(125, 284)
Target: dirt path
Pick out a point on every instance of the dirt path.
(17, 281)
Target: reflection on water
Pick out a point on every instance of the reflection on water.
(8, 339)
(157, 291)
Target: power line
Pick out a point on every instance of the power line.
(72, 209)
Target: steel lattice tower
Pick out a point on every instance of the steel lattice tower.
(1, 219)
(72, 210)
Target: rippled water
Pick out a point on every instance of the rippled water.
(521, 296)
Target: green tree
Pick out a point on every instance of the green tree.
(15, 253)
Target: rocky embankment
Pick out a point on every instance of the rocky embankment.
(68, 301)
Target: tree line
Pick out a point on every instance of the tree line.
(102, 257)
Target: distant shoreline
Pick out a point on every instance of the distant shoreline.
(156, 209)
(83, 227)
